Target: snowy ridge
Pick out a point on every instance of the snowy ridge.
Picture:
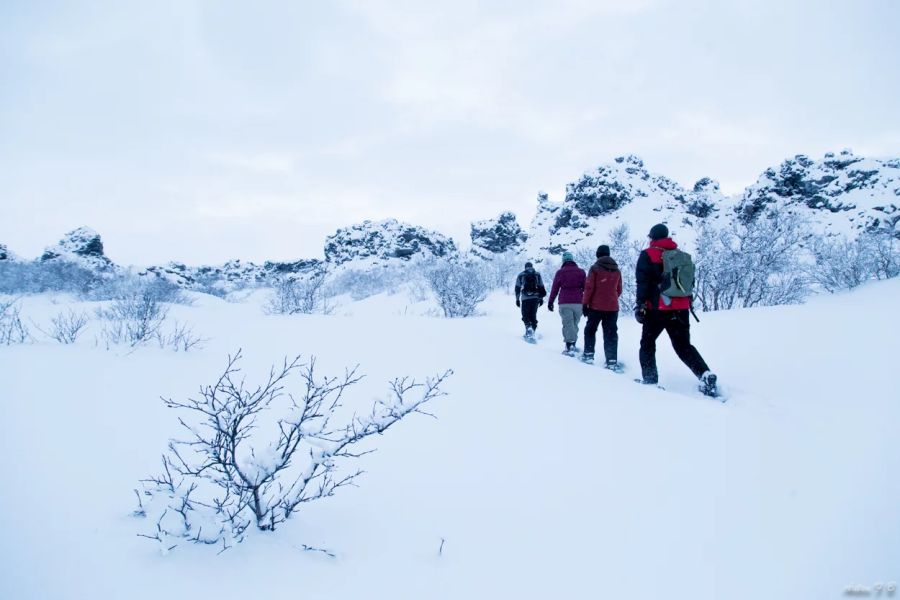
(376, 243)
(841, 193)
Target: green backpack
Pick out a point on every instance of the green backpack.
(678, 274)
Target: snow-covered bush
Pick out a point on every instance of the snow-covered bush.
(500, 270)
(253, 456)
(843, 264)
(50, 276)
(66, 326)
(134, 319)
(12, 329)
(759, 262)
(885, 249)
(306, 294)
(625, 252)
(458, 287)
(360, 284)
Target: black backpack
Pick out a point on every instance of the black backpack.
(530, 283)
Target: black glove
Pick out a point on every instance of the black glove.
(550, 307)
(639, 314)
(585, 311)
(518, 304)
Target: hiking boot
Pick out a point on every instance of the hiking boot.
(587, 358)
(613, 365)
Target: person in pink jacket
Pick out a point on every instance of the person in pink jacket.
(568, 284)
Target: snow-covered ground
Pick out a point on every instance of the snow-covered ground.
(540, 478)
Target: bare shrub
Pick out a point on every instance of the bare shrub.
(459, 288)
(12, 329)
(253, 456)
(180, 338)
(304, 294)
(65, 327)
(500, 270)
(134, 319)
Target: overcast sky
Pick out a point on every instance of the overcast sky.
(206, 130)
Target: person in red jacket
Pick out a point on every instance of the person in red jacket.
(658, 313)
(600, 304)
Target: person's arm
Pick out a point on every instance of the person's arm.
(589, 284)
(518, 286)
(541, 289)
(554, 289)
(644, 276)
(619, 284)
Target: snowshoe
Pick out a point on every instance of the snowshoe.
(653, 383)
(570, 349)
(614, 366)
(709, 385)
(529, 336)
(587, 358)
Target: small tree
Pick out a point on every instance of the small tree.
(254, 455)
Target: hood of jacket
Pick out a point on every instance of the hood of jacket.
(607, 263)
(664, 243)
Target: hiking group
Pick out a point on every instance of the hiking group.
(664, 277)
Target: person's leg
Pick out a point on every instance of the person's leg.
(679, 329)
(529, 312)
(653, 326)
(610, 335)
(590, 331)
(568, 313)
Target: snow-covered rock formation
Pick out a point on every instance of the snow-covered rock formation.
(497, 236)
(374, 243)
(4, 253)
(841, 193)
(621, 192)
(234, 274)
(81, 246)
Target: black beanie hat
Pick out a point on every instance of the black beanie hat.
(659, 231)
(602, 250)
(528, 265)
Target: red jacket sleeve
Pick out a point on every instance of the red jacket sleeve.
(619, 285)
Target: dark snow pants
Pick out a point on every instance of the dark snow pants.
(529, 312)
(678, 325)
(608, 319)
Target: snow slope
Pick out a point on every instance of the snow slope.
(544, 478)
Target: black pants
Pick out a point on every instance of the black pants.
(529, 312)
(678, 325)
(608, 319)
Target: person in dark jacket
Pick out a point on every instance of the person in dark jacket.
(568, 283)
(600, 304)
(530, 292)
(658, 314)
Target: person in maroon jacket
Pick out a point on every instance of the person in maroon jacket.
(672, 315)
(600, 304)
(569, 284)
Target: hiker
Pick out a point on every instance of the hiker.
(569, 284)
(658, 311)
(601, 307)
(530, 294)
